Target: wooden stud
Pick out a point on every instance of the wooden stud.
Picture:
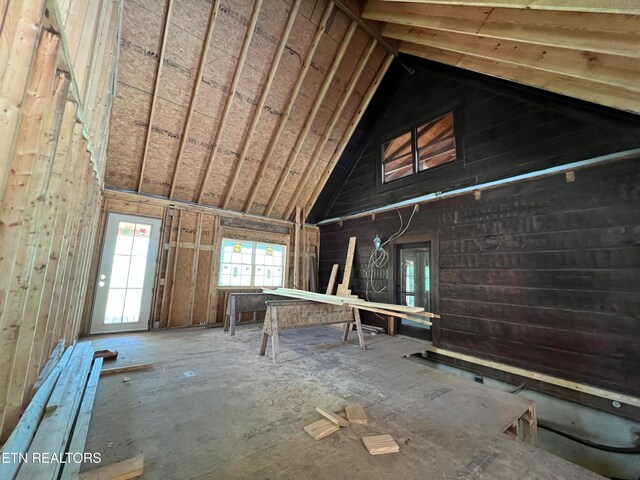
(192, 104)
(165, 37)
(348, 266)
(266, 160)
(261, 101)
(317, 103)
(296, 251)
(194, 267)
(230, 96)
(174, 269)
(216, 242)
(349, 131)
(332, 279)
(317, 152)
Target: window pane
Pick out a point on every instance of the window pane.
(436, 143)
(115, 305)
(136, 272)
(119, 271)
(141, 239)
(132, 303)
(124, 238)
(397, 157)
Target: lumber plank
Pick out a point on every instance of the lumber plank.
(81, 429)
(356, 414)
(333, 417)
(322, 428)
(579, 387)
(380, 444)
(348, 266)
(22, 436)
(124, 470)
(602, 6)
(126, 368)
(332, 279)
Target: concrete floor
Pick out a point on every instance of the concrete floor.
(240, 416)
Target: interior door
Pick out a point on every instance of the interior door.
(124, 287)
(414, 280)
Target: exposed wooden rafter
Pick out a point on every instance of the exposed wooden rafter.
(192, 104)
(308, 171)
(626, 7)
(317, 103)
(263, 98)
(165, 37)
(292, 98)
(347, 134)
(230, 96)
(594, 32)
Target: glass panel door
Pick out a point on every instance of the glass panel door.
(125, 278)
(414, 281)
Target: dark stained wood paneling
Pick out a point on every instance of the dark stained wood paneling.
(542, 274)
(503, 130)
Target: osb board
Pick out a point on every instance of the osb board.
(139, 63)
(182, 284)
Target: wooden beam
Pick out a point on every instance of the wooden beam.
(349, 131)
(317, 103)
(348, 266)
(175, 267)
(165, 37)
(296, 251)
(353, 11)
(261, 101)
(126, 368)
(194, 267)
(192, 104)
(124, 470)
(317, 152)
(616, 97)
(230, 95)
(578, 387)
(332, 279)
(595, 32)
(287, 111)
(595, 67)
(624, 7)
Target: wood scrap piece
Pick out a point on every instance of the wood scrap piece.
(127, 368)
(130, 468)
(321, 428)
(355, 414)
(380, 444)
(333, 417)
(106, 354)
(332, 279)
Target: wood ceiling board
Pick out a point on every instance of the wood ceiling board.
(596, 67)
(192, 16)
(627, 7)
(590, 91)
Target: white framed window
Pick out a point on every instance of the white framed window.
(251, 264)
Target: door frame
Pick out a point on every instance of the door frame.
(154, 253)
(434, 267)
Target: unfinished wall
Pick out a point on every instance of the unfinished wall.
(229, 103)
(186, 291)
(57, 76)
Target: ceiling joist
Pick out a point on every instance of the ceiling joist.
(625, 7)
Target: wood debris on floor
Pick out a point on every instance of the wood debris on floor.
(321, 428)
(380, 444)
(333, 417)
(355, 414)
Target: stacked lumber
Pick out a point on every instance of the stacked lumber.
(415, 314)
(56, 420)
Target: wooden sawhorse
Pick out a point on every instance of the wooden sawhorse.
(288, 314)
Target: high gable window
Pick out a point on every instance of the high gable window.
(422, 148)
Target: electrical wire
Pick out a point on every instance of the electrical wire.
(379, 258)
(605, 448)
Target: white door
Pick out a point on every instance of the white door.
(124, 286)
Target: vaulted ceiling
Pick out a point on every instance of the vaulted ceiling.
(248, 104)
(238, 104)
(588, 49)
